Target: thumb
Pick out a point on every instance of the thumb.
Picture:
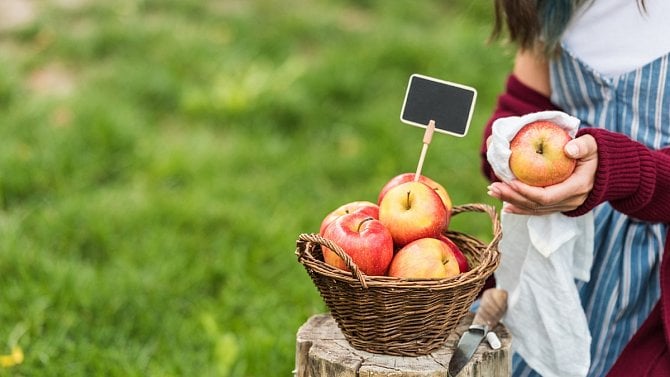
(580, 147)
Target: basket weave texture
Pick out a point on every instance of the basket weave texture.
(397, 316)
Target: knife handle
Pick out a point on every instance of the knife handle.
(492, 307)
(493, 340)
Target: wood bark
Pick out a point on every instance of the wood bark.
(322, 351)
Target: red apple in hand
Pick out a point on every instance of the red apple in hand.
(409, 177)
(537, 157)
(369, 208)
(425, 258)
(463, 265)
(364, 239)
(412, 210)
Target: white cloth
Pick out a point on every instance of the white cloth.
(540, 258)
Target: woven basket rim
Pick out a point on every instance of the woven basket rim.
(490, 262)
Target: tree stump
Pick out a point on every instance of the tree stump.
(322, 351)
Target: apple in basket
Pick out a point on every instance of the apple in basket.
(537, 157)
(409, 177)
(367, 207)
(463, 265)
(364, 239)
(412, 210)
(425, 258)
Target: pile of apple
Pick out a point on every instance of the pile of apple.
(402, 235)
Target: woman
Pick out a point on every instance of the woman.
(607, 63)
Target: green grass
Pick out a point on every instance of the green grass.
(149, 212)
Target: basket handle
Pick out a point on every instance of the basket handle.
(489, 210)
(356, 273)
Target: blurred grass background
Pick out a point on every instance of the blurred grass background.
(158, 159)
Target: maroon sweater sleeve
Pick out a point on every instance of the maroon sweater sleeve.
(518, 99)
(632, 178)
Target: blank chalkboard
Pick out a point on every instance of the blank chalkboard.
(449, 104)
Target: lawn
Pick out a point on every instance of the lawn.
(159, 158)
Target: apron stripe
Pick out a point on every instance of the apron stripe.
(660, 103)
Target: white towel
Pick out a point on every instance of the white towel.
(541, 256)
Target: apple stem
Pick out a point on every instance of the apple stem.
(365, 220)
(427, 137)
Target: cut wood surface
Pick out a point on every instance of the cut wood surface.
(322, 351)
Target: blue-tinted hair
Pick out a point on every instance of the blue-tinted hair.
(554, 16)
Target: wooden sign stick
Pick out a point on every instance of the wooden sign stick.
(427, 137)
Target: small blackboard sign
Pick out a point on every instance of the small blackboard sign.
(449, 104)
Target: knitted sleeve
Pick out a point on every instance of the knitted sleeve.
(517, 100)
(634, 179)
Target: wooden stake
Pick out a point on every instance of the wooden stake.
(427, 137)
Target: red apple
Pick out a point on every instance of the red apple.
(369, 208)
(364, 239)
(458, 254)
(425, 258)
(537, 157)
(409, 177)
(412, 210)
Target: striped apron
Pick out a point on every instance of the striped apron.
(624, 284)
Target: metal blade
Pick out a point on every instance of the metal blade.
(467, 345)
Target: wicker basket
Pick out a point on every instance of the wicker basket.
(395, 316)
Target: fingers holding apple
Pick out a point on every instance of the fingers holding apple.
(364, 238)
(537, 154)
(521, 198)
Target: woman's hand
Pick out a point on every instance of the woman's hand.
(523, 199)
